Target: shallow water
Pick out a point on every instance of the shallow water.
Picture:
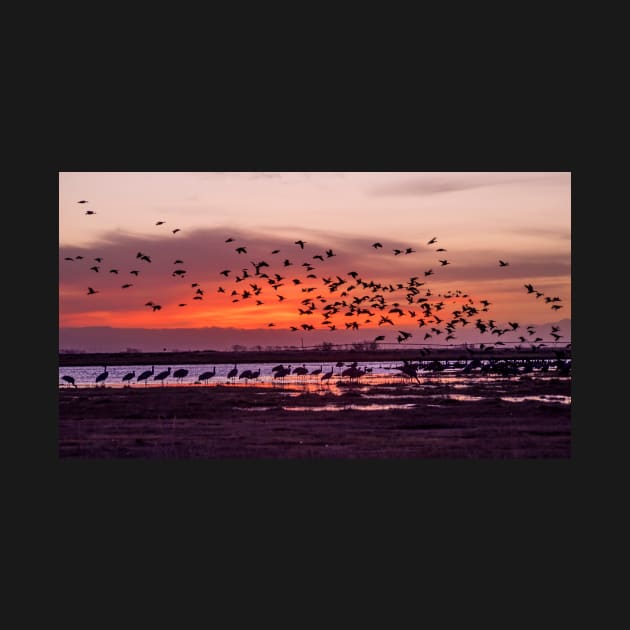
(380, 373)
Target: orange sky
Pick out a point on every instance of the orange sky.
(479, 218)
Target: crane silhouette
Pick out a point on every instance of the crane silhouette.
(101, 378)
(70, 380)
(180, 374)
(127, 377)
(204, 376)
(326, 377)
(145, 375)
(162, 376)
(233, 372)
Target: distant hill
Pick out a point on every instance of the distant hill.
(107, 339)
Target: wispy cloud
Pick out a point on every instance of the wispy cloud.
(425, 184)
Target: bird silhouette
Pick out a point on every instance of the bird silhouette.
(145, 375)
(134, 272)
(95, 268)
(70, 380)
(241, 250)
(83, 201)
(126, 286)
(91, 291)
(162, 376)
(180, 374)
(300, 243)
(98, 260)
(229, 240)
(328, 375)
(102, 376)
(68, 258)
(160, 223)
(444, 262)
(90, 212)
(502, 263)
(433, 240)
(376, 245)
(233, 372)
(205, 376)
(176, 230)
(127, 377)
(178, 262)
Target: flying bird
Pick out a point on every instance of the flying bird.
(90, 212)
(178, 262)
(433, 240)
(300, 243)
(502, 263)
(99, 259)
(241, 250)
(82, 201)
(229, 240)
(126, 286)
(160, 223)
(95, 268)
(376, 245)
(444, 262)
(134, 272)
(176, 230)
(91, 291)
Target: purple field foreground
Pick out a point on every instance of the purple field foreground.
(500, 419)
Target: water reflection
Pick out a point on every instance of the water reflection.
(383, 375)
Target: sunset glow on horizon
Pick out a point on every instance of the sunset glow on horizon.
(478, 219)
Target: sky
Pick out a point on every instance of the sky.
(478, 218)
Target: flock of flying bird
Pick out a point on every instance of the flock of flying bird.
(364, 301)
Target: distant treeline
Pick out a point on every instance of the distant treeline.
(311, 355)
